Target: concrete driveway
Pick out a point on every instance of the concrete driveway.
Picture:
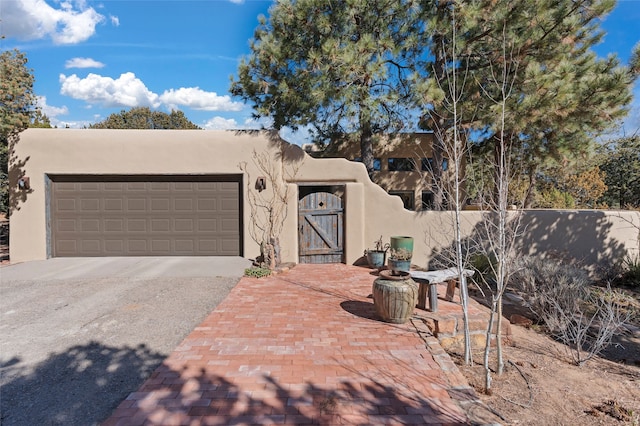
(78, 335)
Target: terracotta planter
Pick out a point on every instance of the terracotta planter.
(394, 300)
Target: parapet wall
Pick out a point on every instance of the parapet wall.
(595, 237)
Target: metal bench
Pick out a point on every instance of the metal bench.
(428, 281)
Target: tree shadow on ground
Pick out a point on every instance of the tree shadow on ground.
(175, 397)
(81, 385)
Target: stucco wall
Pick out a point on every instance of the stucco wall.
(593, 236)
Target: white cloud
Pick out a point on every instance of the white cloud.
(195, 98)
(50, 111)
(129, 91)
(260, 123)
(83, 63)
(237, 1)
(115, 21)
(125, 91)
(220, 123)
(299, 137)
(35, 19)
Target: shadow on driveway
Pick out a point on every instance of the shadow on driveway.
(80, 386)
(78, 335)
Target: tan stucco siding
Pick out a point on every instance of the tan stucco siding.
(591, 236)
(126, 152)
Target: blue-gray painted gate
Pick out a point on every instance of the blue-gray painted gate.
(321, 233)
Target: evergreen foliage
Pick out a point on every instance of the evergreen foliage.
(341, 67)
(40, 120)
(368, 67)
(621, 167)
(562, 94)
(17, 101)
(145, 118)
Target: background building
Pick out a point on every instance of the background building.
(402, 165)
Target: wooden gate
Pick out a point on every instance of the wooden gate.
(321, 228)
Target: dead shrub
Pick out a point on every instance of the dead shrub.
(560, 297)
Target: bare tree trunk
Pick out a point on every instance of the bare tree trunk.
(366, 143)
(436, 168)
(531, 190)
(501, 233)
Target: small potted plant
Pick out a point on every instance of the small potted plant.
(400, 261)
(376, 257)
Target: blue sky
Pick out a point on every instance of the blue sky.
(94, 58)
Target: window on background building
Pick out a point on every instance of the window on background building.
(427, 164)
(427, 200)
(401, 165)
(406, 197)
(376, 163)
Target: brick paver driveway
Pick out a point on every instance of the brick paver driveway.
(302, 347)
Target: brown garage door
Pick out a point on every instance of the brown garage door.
(145, 216)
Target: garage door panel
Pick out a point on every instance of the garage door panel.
(184, 186)
(159, 186)
(137, 225)
(114, 247)
(90, 205)
(114, 186)
(89, 225)
(137, 246)
(207, 204)
(184, 225)
(91, 247)
(161, 246)
(160, 225)
(114, 205)
(183, 204)
(160, 205)
(90, 186)
(121, 218)
(66, 246)
(185, 246)
(65, 205)
(114, 225)
(207, 225)
(137, 204)
(136, 186)
(229, 244)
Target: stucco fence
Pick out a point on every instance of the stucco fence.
(595, 237)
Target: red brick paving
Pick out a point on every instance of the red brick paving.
(302, 347)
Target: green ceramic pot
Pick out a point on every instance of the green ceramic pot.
(401, 242)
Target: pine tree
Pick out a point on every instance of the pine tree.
(40, 120)
(341, 67)
(145, 118)
(621, 167)
(562, 93)
(17, 100)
